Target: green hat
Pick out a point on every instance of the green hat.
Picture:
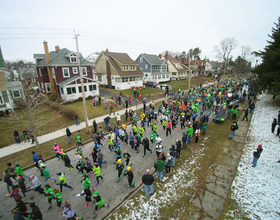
(95, 193)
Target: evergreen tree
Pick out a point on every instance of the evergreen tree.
(268, 72)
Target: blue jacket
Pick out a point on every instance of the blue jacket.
(35, 158)
(184, 138)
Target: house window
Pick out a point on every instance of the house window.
(174, 74)
(131, 79)
(48, 87)
(66, 73)
(141, 59)
(133, 67)
(164, 67)
(80, 89)
(1, 99)
(62, 91)
(84, 71)
(125, 67)
(103, 59)
(73, 58)
(71, 90)
(159, 76)
(117, 79)
(42, 86)
(92, 87)
(163, 76)
(146, 66)
(40, 72)
(104, 67)
(99, 78)
(154, 76)
(125, 79)
(75, 70)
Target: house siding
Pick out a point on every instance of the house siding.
(142, 65)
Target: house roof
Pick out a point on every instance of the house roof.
(60, 58)
(38, 55)
(2, 62)
(200, 62)
(123, 59)
(174, 61)
(153, 59)
(71, 79)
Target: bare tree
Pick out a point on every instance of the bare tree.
(246, 52)
(33, 109)
(224, 48)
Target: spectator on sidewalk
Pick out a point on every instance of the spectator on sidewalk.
(159, 166)
(233, 128)
(147, 180)
(257, 154)
(246, 114)
(68, 134)
(76, 117)
(16, 135)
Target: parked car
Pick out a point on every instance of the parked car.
(163, 86)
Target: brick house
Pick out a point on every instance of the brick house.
(63, 65)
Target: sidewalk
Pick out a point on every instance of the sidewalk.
(59, 133)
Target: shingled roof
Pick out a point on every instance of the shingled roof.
(123, 59)
(153, 59)
(60, 58)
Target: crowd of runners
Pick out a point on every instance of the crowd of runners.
(190, 111)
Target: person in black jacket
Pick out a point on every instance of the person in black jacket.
(146, 144)
(256, 155)
(35, 213)
(130, 177)
(68, 134)
(22, 185)
(273, 125)
(184, 140)
(147, 180)
(8, 181)
(233, 128)
(22, 207)
(178, 148)
(94, 124)
(67, 162)
(246, 114)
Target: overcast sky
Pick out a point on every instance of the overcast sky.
(134, 27)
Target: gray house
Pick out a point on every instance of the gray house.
(154, 69)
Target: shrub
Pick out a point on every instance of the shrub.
(69, 113)
(80, 98)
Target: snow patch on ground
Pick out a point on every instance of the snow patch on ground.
(172, 186)
(256, 190)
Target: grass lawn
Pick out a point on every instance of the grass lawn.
(129, 93)
(184, 84)
(55, 122)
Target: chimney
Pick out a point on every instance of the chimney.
(166, 55)
(159, 56)
(107, 52)
(57, 48)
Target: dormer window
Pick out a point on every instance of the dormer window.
(141, 59)
(73, 58)
(133, 67)
(125, 67)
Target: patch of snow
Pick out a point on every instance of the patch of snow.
(255, 190)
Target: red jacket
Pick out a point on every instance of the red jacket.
(168, 125)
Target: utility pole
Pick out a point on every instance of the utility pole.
(189, 70)
(82, 81)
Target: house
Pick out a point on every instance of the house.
(176, 69)
(10, 90)
(117, 71)
(57, 73)
(216, 67)
(154, 68)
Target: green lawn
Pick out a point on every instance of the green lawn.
(184, 84)
(129, 93)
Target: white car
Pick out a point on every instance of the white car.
(163, 86)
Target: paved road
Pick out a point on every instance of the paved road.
(111, 191)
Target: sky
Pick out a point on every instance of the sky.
(133, 27)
